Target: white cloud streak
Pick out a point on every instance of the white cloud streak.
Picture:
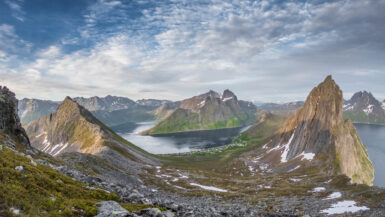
(261, 50)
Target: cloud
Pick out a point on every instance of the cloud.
(16, 9)
(262, 50)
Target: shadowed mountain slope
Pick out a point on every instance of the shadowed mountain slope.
(318, 135)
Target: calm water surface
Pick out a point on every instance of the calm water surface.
(175, 142)
(373, 136)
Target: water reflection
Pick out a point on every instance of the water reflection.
(175, 142)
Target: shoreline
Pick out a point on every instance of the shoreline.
(190, 131)
(368, 123)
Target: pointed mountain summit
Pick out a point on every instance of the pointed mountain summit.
(318, 135)
(72, 128)
(207, 111)
(364, 108)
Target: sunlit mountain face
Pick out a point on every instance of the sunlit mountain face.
(262, 50)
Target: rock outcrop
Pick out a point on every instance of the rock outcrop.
(10, 125)
(317, 134)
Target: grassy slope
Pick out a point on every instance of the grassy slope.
(361, 117)
(31, 190)
(257, 135)
(181, 121)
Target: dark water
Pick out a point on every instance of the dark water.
(373, 136)
(175, 142)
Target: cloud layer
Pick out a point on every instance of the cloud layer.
(262, 50)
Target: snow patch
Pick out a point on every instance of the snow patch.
(295, 180)
(211, 188)
(294, 168)
(264, 186)
(201, 104)
(227, 99)
(368, 109)
(383, 105)
(307, 156)
(343, 207)
(334, 195)
(43, 133)
(286, 151)
(61, 149)
(319, 189)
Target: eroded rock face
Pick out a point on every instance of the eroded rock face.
(318, 134)
(9, 119)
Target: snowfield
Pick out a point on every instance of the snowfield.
(344, 207)
(210, 188)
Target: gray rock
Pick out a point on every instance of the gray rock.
(19, 168)
(168, 213)
(111, 209)
(151, 212)
(1, 147)
(33, 163)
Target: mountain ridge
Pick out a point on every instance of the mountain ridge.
(206, 111)
(317, 134)
(363, 107)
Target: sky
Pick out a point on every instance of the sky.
(267, 51)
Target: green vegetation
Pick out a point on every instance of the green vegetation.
(182, 121)
(222, 159)
(41, 190)
(270, 124)
(362, 117)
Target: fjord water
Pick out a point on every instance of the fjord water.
(373, 136)
(175, 142)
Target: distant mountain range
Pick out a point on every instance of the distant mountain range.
(32, 109)
(111, 110)
(203, 112)
(364, 108)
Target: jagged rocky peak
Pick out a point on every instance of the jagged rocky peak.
(228, 95)
(363, 107)
(318, 134)
(70, 128)
(9, 120)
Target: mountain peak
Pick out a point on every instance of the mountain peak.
(318, 131)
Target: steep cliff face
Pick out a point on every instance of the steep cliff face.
(317, 134)
(10, 126)
(206, 111)
(72, 128)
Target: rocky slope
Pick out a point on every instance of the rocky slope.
(163, 111)
(32, 109)
(364, 108)
(207, 111)
(292, 106)
(318, 135)
(72, 128)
